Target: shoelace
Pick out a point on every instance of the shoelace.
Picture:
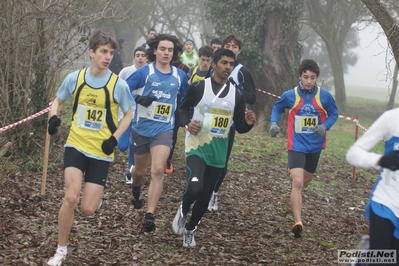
(189, 237)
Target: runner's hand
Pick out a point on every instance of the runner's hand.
(390, 161)
(274, 129)
(109, 145)
(145, 100)
(250, 117)
(53, 123)
(320, 129)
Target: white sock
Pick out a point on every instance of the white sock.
(62, 249)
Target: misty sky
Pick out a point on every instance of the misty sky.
(371, 68)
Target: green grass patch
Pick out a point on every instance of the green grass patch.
(328, 244)
(168, 249)
(335, 183)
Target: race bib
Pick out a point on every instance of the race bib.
(157, 111)
(305, 124)
(216, 124)
(90, 117)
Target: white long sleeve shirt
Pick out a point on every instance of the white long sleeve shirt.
(386, 189)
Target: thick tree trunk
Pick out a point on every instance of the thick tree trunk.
(280, 73)
(339, 83)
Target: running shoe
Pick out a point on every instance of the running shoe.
(149, 222)
(169, 168)
(129, 179)
(179, 222)
(188, 239)
(213, 202)
(137, 203)
(57, 259)
(297, 229)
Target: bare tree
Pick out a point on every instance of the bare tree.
(39, 39)
(185, 19)
(42, 39)
(332, 20)
(385, 13)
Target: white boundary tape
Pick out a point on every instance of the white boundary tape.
(26, 119)
(48, 109)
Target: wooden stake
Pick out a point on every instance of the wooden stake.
(45, 159)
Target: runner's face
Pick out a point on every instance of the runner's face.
(189, 47)
(308, 79)
(205, 62)
(140, 59)
(164, 52)
(216, 46)
(233, 46)
(151, 34)
(222, 69)
(102, 57)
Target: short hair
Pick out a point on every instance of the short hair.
(153, 45)
(205, 50)
(151, 29)
(222, 52)
(139, 48)
(308, 64)
(216, 40)
(100, 37)
(234, 38)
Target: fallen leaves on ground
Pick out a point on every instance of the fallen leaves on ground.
(252, 226)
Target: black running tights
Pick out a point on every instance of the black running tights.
(201, 180)
(381, 235)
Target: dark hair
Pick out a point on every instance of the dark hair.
(308, 64)
(216, 41)
(234, 38)
(139, 48)
(222, 52)
(151, 29)
(205, 50)
(100, 37)
(178, 44)
(153, 45)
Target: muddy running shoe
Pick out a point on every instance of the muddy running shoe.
(129, 179)
(188, 239)
(297, 229)
(58, 258)
(137, 203)
(149, 222)
(213, 202)
(169, 168)
(179, 222)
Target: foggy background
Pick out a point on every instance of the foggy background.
(43, 41)
(374, 66)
